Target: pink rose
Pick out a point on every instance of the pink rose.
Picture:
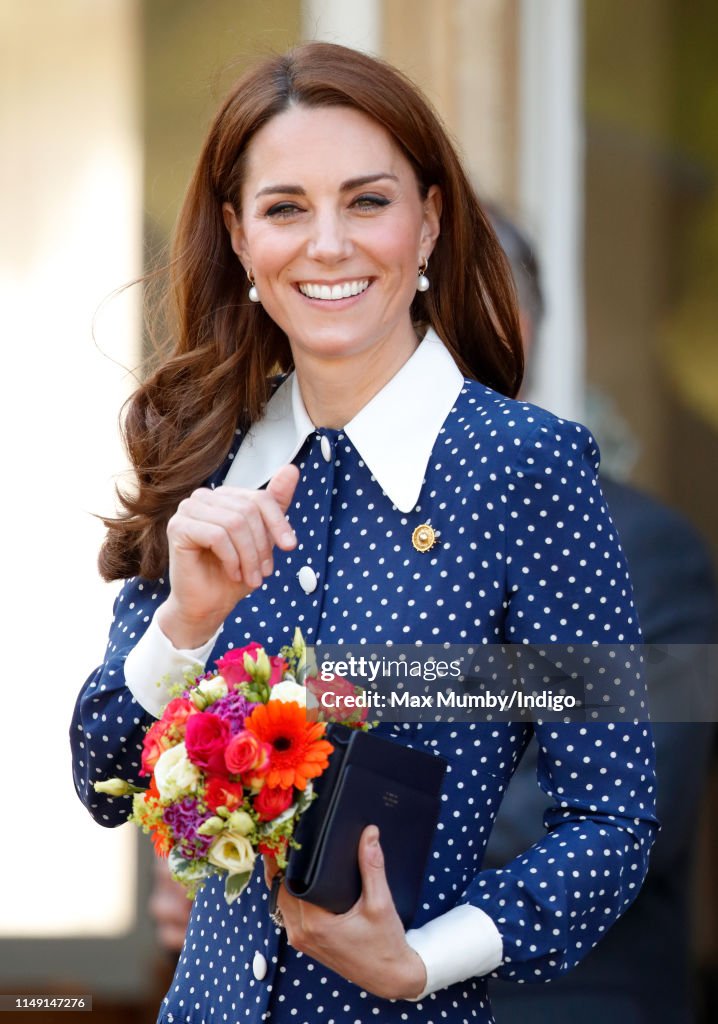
(206, 738)
(245, 752)
(334, 709)
(271, 801)
(178, 711)
(232, 670)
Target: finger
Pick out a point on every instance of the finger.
(247, 531)
(239, 515)
(242, 512)
(281, 489)
(276, 523)
(190, 535)
(283, 485)
(375, 888)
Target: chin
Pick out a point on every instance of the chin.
(332, 344)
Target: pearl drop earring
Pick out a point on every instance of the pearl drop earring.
(253, 293)
(423, 283)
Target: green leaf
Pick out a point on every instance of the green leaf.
(235, 885)
(178, 865)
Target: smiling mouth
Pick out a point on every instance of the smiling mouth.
(333, 292)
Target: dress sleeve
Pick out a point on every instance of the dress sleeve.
(108, 724)
(568, 584)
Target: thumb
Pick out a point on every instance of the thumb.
(375, 887)
(283, 484)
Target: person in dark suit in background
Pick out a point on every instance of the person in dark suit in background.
(641, 971)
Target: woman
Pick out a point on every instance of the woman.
(325, 186)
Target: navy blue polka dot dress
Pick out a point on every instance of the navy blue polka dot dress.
(527, 554)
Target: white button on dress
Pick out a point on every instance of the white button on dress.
(259, 966)
(326, 447)
(307, 579)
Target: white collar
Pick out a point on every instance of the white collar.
(394, 433)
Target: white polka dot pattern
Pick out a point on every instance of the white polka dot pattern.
(526, 553)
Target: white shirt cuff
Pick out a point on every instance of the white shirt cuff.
(463, 943)
(154, 664)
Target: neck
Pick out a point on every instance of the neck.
(335, 390)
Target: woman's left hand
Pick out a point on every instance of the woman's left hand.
(367, 945)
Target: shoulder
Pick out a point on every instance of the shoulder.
(529, 432)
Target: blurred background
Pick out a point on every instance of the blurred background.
(592, 123)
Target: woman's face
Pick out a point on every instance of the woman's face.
(333, 229)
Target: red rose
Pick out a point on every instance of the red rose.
(232, 670)
(247, 753)
(206, 737)
(270, 801)
(157, 740)
(220, 792)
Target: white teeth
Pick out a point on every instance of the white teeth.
(335, 291)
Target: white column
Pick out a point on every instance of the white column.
(348, 22)
(551, 190)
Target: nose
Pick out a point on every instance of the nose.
(329, 241)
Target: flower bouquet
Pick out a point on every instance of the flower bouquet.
(230, 765)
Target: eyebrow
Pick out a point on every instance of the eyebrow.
(346, 186)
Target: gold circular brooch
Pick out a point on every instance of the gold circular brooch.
(423, 538)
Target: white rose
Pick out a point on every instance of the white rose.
(175, 774)
(232, 852)
(288, 691)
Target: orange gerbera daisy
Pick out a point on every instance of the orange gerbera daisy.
(298, 750)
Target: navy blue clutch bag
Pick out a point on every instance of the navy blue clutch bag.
(369, 781)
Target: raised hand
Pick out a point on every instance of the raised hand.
(220, 549)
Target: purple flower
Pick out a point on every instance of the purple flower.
(184, 818)
(234, 708)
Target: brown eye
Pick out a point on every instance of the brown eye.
(281, 210)
(369, 201)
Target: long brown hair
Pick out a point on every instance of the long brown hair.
(179, 424)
